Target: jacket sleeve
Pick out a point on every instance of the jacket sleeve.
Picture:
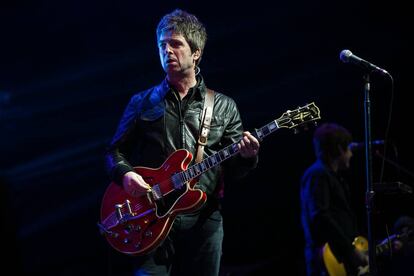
(233, 132)
(321, 218)
(117, 152)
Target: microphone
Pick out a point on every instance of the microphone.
(348, 57)
(354, 146)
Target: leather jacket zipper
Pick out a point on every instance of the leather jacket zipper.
(181, 121)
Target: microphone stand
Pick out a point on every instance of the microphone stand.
(370, 193)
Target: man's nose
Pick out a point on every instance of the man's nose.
(167, 48)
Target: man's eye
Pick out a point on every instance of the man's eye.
(175, 44)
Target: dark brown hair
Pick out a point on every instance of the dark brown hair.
(186, 24)
(327, 138)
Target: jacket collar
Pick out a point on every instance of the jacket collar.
(199, 89)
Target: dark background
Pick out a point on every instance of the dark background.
(68, 68)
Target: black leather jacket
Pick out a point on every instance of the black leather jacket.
(156, 123)
(327, 215)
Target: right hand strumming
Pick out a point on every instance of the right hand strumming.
(134, 184)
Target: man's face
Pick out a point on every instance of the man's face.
(345, 158)
(175, 53)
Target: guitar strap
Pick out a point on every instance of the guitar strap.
(205, 124)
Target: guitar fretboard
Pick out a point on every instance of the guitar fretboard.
(289, 119)
(224, 154)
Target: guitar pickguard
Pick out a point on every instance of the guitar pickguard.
(166, 203)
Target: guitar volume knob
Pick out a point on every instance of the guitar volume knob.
(128, 228)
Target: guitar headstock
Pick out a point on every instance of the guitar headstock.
(299, 117)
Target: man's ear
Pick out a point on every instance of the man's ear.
(197, 54)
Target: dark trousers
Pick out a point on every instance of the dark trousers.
(193, 247)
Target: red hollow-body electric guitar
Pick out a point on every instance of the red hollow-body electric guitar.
(137, 225)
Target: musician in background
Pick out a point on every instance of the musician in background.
(326, 213)
(165, 118)
(402, 254)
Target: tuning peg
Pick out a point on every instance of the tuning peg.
(295, 131)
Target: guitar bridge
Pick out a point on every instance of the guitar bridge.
(123, 216)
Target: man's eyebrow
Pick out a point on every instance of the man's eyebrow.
(169, 39)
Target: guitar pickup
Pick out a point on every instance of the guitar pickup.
(156, 192)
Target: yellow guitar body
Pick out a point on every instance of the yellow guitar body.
(336, 268)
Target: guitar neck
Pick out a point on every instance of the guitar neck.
(386, 244)
(289, 119)
(382, 248)
(226, 153)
